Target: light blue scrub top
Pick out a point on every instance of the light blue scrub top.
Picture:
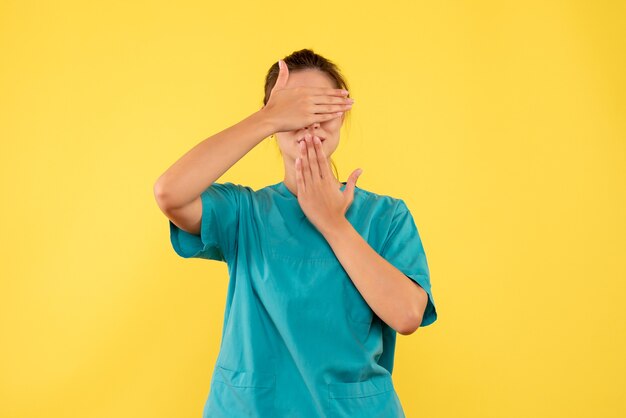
(298, 339)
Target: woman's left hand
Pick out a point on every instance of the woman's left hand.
(319, 194)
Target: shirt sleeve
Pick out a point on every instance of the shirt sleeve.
(219, 225)
(404, 250)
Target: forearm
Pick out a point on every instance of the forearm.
(201, 166)
(394, 297)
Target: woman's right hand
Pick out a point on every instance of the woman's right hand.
(294, 108)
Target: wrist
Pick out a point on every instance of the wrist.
(337, 227)
(265, 121)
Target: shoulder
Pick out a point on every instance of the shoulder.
(245, 196)
(380, 201)
(227, 187)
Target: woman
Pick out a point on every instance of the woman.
(322, 273)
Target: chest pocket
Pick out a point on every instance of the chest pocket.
(298, 239)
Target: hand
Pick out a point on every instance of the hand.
(295, 108)
(318, 190)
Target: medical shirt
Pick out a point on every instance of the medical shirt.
(298, 339)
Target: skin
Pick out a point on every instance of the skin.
(395, 298)
(330, 130)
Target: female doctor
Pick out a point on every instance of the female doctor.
(323, 273)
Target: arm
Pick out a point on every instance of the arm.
(395, 298)
(181, 184)
(286, 109)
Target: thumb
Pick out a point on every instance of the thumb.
(351, 183)
(283, 75)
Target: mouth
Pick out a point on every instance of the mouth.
(302, 139)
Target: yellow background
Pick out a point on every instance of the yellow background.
(501, 124)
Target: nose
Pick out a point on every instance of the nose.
(314, 125)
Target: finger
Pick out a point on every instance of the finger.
(315, 168)
(331, 108)
(323, 117)
(299, 177)
(351, 183)
(321, 159)
(325, 91)
(332, 100)
(283, 75)
(306, 170)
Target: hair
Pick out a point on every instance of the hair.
(305, 59)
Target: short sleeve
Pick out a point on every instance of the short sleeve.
(219, 227)
(404, 250)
